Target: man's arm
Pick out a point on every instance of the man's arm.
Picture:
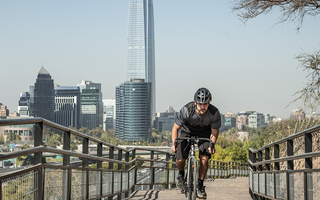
(175, 130)
(213, 137)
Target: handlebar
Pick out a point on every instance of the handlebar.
(196, 139)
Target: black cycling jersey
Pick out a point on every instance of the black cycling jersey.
(199, 125)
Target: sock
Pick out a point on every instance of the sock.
(181, 172)
(200, 183)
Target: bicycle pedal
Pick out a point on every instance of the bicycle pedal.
(182, 191)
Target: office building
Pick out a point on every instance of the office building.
(90, 108)
(91, 104)
(4, 112)
(230, 114)
(24, 104)
(242, 121)
(67, 109)
(133, 110)
(109, 110)
(243, 118)
(298, 114)
(256, 120)
(222, 121)
(119, 126)
(246, 113)
(31, 100)
(141, 45)
(268, 119)
(43, 95)
(229, 122)
(25, 131)
(164, 121)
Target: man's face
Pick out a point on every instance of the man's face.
(202, 107)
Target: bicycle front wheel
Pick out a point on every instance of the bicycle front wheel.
(192, 181)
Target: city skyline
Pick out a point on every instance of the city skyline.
(246, 67)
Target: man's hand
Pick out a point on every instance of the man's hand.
(211, 151)
(175, 130)
(173, 149)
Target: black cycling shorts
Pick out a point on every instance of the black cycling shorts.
(184, 148)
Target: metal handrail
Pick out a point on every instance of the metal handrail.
(290, 137)
(59, 151)
(8, 122)
(288, 158)
(261, 167)
(227, 168)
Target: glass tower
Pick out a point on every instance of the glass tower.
(133, 110)
(43, 95)
(67, 110)
(90, 108)
(140, 44)
(84, 84)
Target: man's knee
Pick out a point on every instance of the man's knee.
(204, 158)
(180, 160)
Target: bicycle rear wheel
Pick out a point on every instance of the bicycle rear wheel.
(192, 181)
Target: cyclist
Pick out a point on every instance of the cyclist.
(197, 118)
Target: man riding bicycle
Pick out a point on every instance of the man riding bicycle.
(197, 118)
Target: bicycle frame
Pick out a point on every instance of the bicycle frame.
(191, 185)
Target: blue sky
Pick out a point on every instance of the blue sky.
(198, 44)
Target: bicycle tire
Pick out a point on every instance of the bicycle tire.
(189, 180)
(192, 179)
(195, 179)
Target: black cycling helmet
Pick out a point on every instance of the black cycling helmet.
(202, 95)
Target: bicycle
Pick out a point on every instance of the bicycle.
(191, 179)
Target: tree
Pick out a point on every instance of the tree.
(310, 94)
(11, 136)
(17, 137)
(97, 132)
(73, 146)
(25, 146)
(54, 140)
(292, 10)
(238, 154)
(1, 139)
(223, 142)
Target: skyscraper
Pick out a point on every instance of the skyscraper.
(24, 104)
(109, 113)
(133, 110)
(90, 109)
(31, 100)
(43, 95)
(67, 109)
(140, 45)
(91, 103)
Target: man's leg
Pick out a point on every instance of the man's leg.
(181, 164)
(202, 174)
(203, 166)
(181, 155)
(180, 178)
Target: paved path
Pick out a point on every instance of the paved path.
(225, 189)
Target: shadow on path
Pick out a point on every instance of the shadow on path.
(222, 189)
